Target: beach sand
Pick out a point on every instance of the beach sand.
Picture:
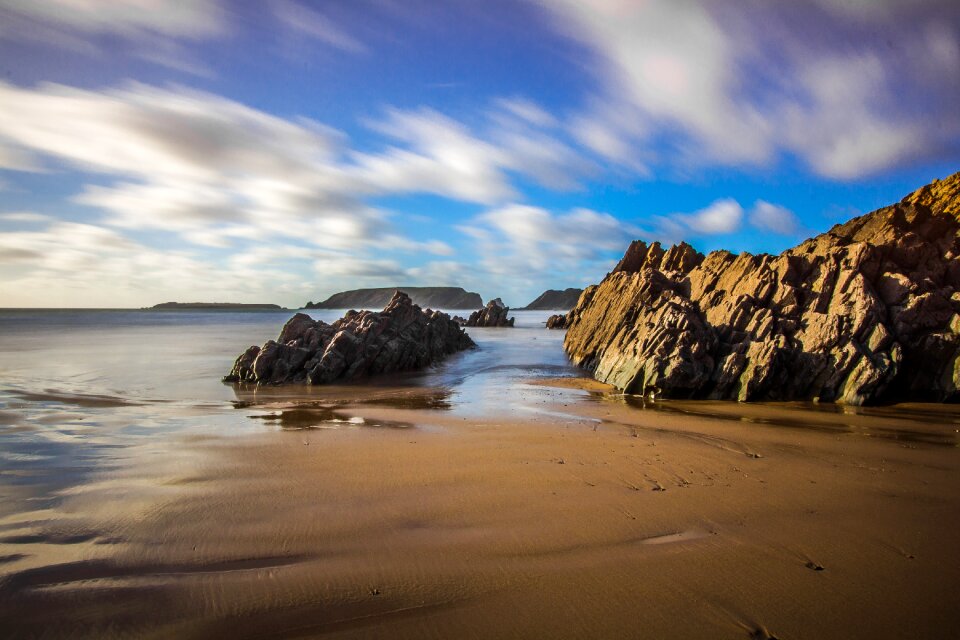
(591, 518)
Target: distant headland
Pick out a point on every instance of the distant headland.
(213, 306)
(425, 297)
(555, 299)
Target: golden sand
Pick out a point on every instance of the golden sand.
(599, 519)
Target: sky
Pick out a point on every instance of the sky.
(283, 150)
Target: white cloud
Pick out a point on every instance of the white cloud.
(774, 218)
(79, 265)
(444, 157)
(825, 134)
(526, 110)
(213, 173)
(674, 63)
(443, 273)
(850, 88)
(147, 132)
(131, 18)
(311, 22)
(25, 216)
(521, 246)
(607, 140)
(151, 30)
(351, 267)
(207, 168)
(721, 216)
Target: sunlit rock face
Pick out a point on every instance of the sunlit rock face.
(402, 337)
(867, 312)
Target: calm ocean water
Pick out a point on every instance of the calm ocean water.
(181, 356)
(87, 391)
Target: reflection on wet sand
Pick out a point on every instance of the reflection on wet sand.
(909, 424)
(321, 417)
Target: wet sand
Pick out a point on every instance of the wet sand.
(593, 517)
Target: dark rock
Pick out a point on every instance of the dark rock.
(493, 315)
(867, 312)
(557, 321)
(402, 337)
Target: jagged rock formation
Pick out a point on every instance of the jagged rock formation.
(554, 299)
(867, 312)
(402, 337)
(492, 315)
(426, 297)
(557, 321)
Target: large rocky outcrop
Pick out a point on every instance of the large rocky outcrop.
(426, 297)
(402, 337)
(867, 312)
(493, 315)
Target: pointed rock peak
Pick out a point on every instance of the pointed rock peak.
(633, 259)
(400, 298)
(681, 257)
(496, 302)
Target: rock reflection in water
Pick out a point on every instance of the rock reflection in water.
(900, 423)
(294, 408)
(320, 417)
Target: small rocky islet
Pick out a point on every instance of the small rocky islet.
(402, 337)
(494, 314)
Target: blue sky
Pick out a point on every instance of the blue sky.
(281, 151)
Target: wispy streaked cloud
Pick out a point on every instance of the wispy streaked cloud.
(151, 30)
(723, 217)
(312, 23)
(526, 110)
(744, 83)
(522, 245)
(129, 18)
(220, 175)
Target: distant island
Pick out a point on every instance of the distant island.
(213, 306)
(555, 299)
(425, 297)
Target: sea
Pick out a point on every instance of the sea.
(91, 391)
